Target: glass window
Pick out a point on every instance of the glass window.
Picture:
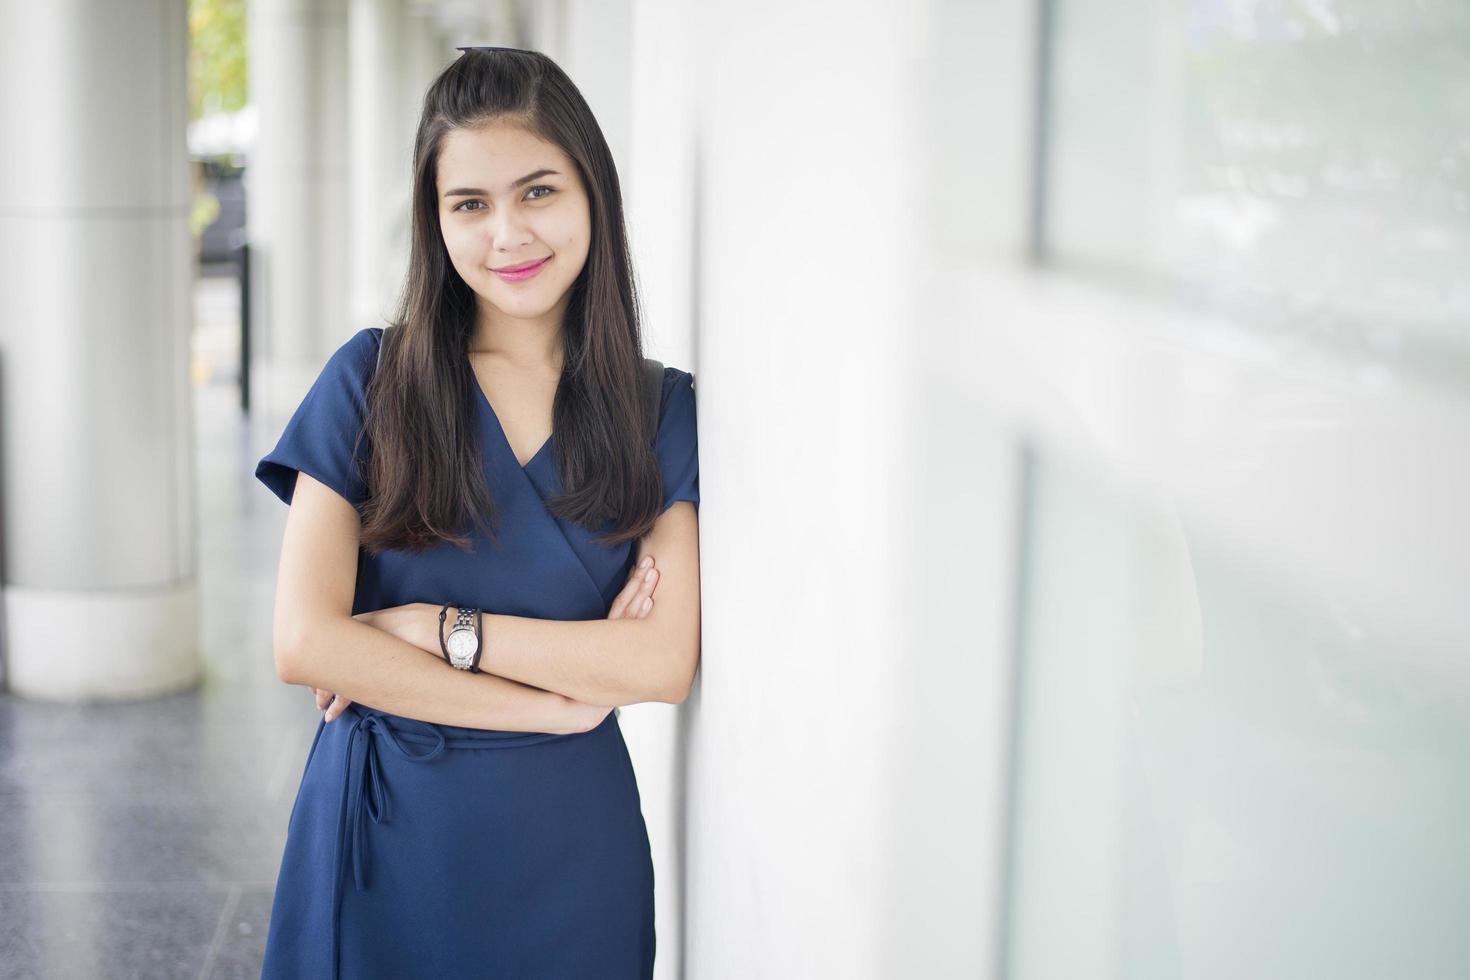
(1304, 165)
(1219, 775)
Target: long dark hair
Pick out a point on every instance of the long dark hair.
(425, 471)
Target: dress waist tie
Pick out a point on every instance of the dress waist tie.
(365, 791)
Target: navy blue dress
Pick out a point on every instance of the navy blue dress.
(417, 850)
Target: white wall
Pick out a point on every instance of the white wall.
(922, 456)
(845, 740)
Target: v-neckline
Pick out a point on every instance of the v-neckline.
(500, 430)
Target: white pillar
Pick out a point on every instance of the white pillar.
(298, 202)
(422, 55)
(381, 156)
(96, 262)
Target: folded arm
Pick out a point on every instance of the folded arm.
(615, 661)
(371, 667)
(319, 644)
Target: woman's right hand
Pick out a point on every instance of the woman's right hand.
(326, 699)
(634, 602)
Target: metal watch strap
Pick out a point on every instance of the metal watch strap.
(463, 617)
(467, 618)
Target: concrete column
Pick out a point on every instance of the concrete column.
(422, 54)
(299, 221)
(381, 154)
(96, 261)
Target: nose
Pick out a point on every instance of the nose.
(507, 231)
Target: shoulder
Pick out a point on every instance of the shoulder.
(321, 436)
(677, 442)
(359, 349)
(676, 414)
(354, 359)
(678, 384)
(676, 402)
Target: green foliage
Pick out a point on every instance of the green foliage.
(204, 208)
(217, 64)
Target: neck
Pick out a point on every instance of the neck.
(520, 342)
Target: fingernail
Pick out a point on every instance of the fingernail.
(647, 560)
(647, 603)
(648, 575)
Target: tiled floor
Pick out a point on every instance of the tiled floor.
(142, 839)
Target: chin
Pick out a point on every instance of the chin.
(526, 307)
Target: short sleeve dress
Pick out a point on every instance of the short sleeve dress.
(417, 850)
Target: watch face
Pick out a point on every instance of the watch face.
(462, 643)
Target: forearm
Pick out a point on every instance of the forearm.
(374, 668)
(598, 661)
(604, 662)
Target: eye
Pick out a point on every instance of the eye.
(538, 187)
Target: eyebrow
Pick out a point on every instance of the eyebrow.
(467, 191)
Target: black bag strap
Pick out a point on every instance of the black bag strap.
(653, 383)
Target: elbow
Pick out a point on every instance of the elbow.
(285, 658)
(287, 644)
(298, 640)
(676, 691)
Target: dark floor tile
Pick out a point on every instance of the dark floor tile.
(71, 838)
(112, 933)
(240, 946)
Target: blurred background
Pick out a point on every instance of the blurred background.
(1084, 398)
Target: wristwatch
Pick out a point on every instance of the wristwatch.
(462, 648)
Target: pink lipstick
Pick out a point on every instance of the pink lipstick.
(522, 272)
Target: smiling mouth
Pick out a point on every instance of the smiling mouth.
(522, 267)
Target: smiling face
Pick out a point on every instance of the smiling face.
(507, 198)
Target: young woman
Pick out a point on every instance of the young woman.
(467, 571)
